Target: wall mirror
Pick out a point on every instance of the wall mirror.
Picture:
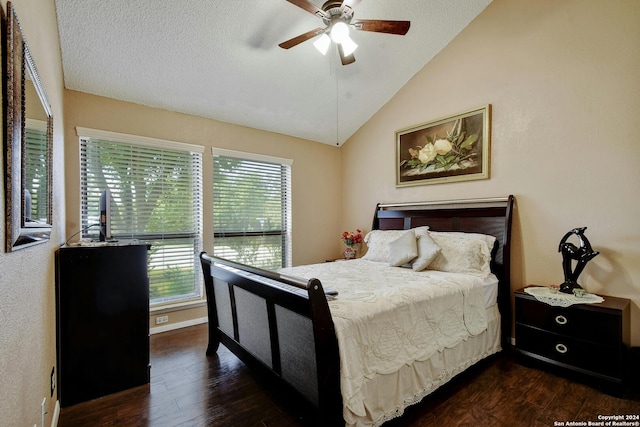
(28, 144)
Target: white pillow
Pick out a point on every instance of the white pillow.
(403, 250)
(419, 231)
(459, 254)
(378, 242)
(428, 249)
(473, 236)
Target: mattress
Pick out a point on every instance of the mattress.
(390, 318)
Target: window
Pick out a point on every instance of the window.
(156, 197)
(252, 209)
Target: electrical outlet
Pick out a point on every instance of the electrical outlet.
(162, 319)
(53, 380)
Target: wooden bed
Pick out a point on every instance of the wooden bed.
(282, 327)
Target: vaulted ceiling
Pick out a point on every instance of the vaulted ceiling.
(220, 59)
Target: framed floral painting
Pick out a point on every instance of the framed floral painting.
(447, 150)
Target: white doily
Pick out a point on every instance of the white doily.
(557, 298)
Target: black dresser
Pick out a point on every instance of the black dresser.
(587, 341)
(102, 315)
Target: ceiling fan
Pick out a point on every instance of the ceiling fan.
(338, 17)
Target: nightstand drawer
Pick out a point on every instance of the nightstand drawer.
(602, 327)
(605, 360)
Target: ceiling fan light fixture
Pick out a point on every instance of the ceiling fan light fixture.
(323, 43)
(339, 31)
(348, 46)
(337, 16)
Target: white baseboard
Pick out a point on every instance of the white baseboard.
(177, 325)
(56, 414)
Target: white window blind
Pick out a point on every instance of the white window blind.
(156, 197)
(252, 209)
(37, 170)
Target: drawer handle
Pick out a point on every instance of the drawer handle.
(561, 348)
(561, 320)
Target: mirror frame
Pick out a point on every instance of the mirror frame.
(18, 62)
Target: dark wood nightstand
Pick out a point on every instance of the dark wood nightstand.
(586, 341)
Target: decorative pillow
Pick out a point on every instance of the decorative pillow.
(428, 249)
(378, 242)
(403, 250)
(420, 231)
(460, 254)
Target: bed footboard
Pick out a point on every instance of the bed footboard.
(278, 325)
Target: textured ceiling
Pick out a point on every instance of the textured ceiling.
(221, 60)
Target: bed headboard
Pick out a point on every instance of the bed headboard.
(491, 216)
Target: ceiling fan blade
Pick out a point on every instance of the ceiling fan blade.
(301, 38)
(380, 26)
(345, 59)
(309, 7)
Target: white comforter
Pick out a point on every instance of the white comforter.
(387, 317)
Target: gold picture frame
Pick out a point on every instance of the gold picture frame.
(451, 149)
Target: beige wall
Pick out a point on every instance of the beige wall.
(27, 308)
(563, 80)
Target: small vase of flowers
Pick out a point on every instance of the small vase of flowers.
(353, 241)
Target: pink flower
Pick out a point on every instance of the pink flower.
(351, 238)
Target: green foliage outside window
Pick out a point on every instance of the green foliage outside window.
(155, 199)
(249, 211)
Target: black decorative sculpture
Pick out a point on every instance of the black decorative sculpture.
(570, 253)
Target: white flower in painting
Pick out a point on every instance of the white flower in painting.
(427, 153)
(442, 146)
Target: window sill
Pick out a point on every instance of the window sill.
(185, 305)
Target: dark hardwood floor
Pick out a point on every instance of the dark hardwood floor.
(190, 389)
